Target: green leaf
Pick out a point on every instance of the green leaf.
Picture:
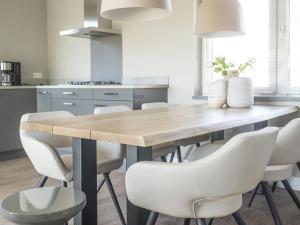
(224, 73)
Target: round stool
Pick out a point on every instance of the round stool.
(43, 206)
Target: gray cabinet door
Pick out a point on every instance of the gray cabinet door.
(7, 134)
(75, 106)
(43, 100)
(24, 101)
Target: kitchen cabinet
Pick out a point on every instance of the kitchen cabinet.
(43, 99)
(13, 104)
(24, 102)
(83, 101)
(6, 120)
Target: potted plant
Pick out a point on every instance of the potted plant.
(233, 89)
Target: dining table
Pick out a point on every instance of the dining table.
(140, 130)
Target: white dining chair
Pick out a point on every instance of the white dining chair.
(208, 188)
(181, 143)
(280, 168)
(42, 150)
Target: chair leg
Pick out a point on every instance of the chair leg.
(64, 184)
(152, 218)
(42, 182)
(100, 184)
(271, 203)
(163, 158)
(210, 222)
(253, 194)
(274, 186)
(291, 192)
(298, 165)
(201, 222)
(114, 197)
(172, 157)
(238, 218)
(179, 154)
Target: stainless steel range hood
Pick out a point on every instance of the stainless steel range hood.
(95, 26)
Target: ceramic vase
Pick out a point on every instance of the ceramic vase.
(217, 93)
(240, 92)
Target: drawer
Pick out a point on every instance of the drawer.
(99, 103)
(75, 106)
(72, 93)
(113, 94)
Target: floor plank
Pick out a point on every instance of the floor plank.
(17, 175)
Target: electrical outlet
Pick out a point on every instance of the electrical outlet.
(37, 75)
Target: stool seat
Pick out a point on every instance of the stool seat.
(47, 206)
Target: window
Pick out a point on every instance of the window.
(272, 37)
(294, 21)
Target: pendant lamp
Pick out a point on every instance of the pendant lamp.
(220, 18)
(135, 10)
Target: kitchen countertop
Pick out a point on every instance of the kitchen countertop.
(126, 86)
(16, 87)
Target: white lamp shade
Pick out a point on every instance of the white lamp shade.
(220, 18)
(135, 10)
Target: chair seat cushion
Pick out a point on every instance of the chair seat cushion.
(278, 172)
(104, 164)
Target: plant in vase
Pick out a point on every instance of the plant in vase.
(220, 89)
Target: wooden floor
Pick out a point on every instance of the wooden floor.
(16, 175)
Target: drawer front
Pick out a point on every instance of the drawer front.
(99, 103)
(43, 100)
(113, 94)
(77, 107)
(72, 93)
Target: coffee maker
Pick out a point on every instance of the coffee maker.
(10, 73)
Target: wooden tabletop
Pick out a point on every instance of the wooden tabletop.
(157, 126)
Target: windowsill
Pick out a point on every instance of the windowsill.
(291, 98)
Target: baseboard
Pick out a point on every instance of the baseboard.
(14, 154)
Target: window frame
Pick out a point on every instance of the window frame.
(279, 38)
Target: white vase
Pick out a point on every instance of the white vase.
(240, 92)
(217, 93)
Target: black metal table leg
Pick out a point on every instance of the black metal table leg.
(85, 178)
(217, 136)
(136, 215)
(260, 125)
(187, 222)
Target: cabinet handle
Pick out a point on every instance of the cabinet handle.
(69, 103)
(100, 105)
(68, 93)
(111, 94)
(43, 92)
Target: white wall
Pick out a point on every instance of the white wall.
(163, 48)
(68, 58)
(23, 35)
